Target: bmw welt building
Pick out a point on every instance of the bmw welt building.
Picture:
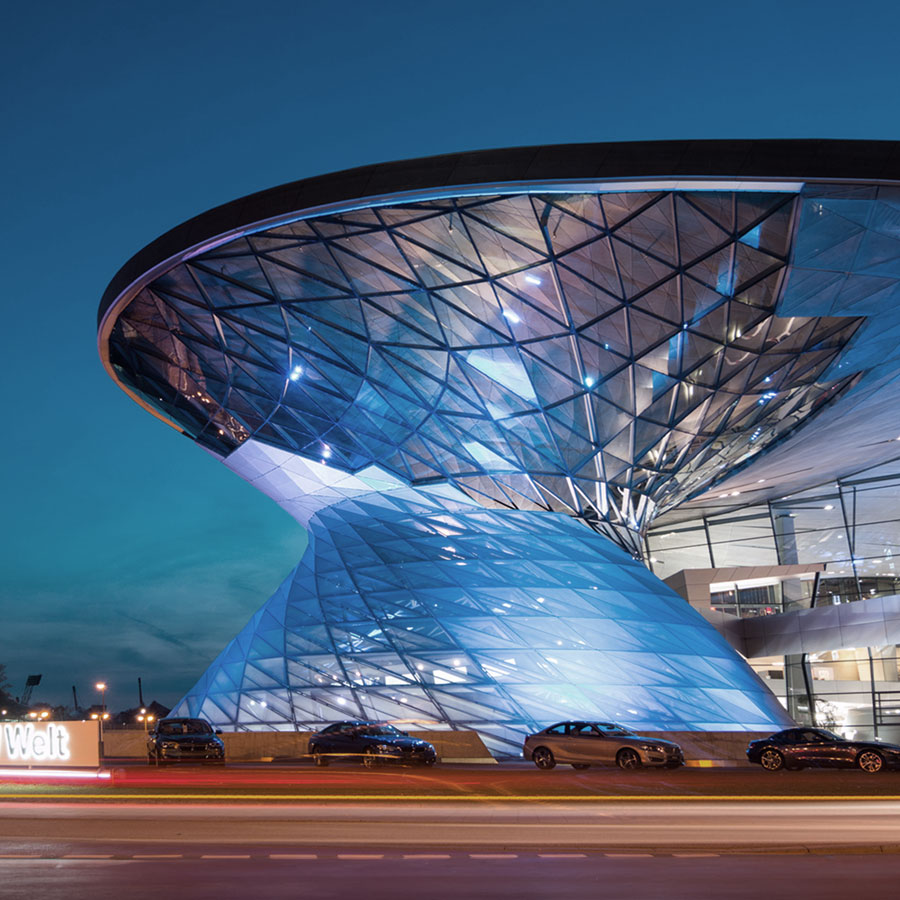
(599, 431)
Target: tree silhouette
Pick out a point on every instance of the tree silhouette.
(7, 700)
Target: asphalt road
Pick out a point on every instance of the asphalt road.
(499, 831)
(650, 825)
(253, 872)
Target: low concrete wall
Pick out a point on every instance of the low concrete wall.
(265, 745)
(712, 748)
(457, 746)
(125, 744)
(451, 746)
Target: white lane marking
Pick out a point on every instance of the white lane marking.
(493, 856)
(293, 856)
(158, 856)
(225, 856)
(360, 856)
(628, 855)
(87, 856)
(426, 856)
(562, 855)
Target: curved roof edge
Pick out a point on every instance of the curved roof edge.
(802, 160)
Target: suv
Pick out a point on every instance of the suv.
(183, 740)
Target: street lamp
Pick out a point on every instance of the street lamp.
(146, 719)
(104, 715)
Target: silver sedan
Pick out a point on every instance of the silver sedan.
(582, 744)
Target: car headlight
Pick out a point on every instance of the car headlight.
(653, 748)
(387, 748)
(169, 745)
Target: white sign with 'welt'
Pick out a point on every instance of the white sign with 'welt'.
(54, 744)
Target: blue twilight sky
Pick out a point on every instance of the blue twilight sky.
(125, 549)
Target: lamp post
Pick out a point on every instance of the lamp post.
(101, 686)
(145, 718)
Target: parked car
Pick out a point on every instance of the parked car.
(371, 742)
(183, 740)
(797, 748)
(583, 744)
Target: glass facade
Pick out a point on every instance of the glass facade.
(602, 355)
(414, 606)
(852, 528)
(493, 372)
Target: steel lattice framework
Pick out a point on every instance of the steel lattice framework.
(603, 355)
(422, 605)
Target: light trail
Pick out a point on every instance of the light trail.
(38, 775)
(456, 798)
(493, 827)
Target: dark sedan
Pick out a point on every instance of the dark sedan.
(798, 748)
(184, 740)
(371, 742)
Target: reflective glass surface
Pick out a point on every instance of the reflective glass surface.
(603, 355)
(852, 529)
(415, 607)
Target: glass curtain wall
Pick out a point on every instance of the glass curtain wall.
(852, 527)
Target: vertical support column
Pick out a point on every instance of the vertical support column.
(875, 715)
(848, 512)
(798, 685)
(709, 546)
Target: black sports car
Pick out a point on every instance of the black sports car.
(797, 748)
(371, 742)
(183, 740)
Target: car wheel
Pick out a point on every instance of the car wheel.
(581, 765)
(319, 759)
(543, 758)
(771, 760)
(430, 762)
(628, 759)
(370, 758)
(870, 761)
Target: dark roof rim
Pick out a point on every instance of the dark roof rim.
(782, 159)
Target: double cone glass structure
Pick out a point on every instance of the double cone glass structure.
(476, 379)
